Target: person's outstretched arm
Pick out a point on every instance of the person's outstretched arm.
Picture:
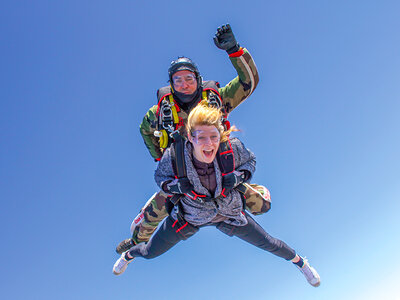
(242, 86)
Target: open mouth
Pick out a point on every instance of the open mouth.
(208, 153)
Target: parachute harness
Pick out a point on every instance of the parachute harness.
(169, 121)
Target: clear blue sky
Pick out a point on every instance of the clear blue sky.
(77, 78)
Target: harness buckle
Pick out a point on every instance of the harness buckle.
(171, 130)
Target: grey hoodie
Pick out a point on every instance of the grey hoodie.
(198, 212)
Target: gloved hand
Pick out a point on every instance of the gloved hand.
(179, 186)
(232, 180)
(225, 40)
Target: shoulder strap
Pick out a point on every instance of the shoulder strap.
(167, 110)
(167, 116)
(213, 97)
(211, 93)
(179, 164)
(225, 157)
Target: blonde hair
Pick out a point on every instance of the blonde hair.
(203, 114)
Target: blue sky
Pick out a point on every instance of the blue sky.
(77, 78)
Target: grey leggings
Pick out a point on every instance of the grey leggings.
(173, 231)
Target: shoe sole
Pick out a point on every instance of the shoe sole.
(319, 279)
(115, 273)
(316, 284)
(124, 269)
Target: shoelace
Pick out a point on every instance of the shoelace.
(128, 244)
(307, 271)
(125, 245)
(306, 267)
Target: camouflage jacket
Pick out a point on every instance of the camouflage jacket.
(196, 211)
(234, 93)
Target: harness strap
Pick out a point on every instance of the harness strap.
(167, 109)
(179, 147)
(173, 108)
(241, 188)
(204, 95)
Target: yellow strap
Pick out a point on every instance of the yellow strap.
(204, 94)
(173, 108)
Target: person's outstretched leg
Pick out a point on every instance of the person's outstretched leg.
(257, 201)
(309, 272)
(146, 222)
(168, 235)
(254, 234)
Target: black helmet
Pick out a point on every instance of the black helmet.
(180, 64)
(183, 63)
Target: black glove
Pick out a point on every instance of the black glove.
(232, 180)
(178, 186)
(224, 39)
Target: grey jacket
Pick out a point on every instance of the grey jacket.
(198, 212)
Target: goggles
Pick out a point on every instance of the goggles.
(188, 78)
(202, 137)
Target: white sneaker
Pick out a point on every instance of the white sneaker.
(121, 264)
(310, 273)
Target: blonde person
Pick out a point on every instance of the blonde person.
(222, 207)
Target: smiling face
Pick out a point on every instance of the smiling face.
(205, 140)
(184, 82)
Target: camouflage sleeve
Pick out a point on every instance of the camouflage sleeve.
(243, 85)
(147, 128)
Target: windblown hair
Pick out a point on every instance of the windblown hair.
(203, 114)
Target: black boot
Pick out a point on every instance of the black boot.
(125, 245)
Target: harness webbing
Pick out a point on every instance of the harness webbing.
(173, 108)
(226, 162)
(179, 147)
(167, 110)
(225, 158)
